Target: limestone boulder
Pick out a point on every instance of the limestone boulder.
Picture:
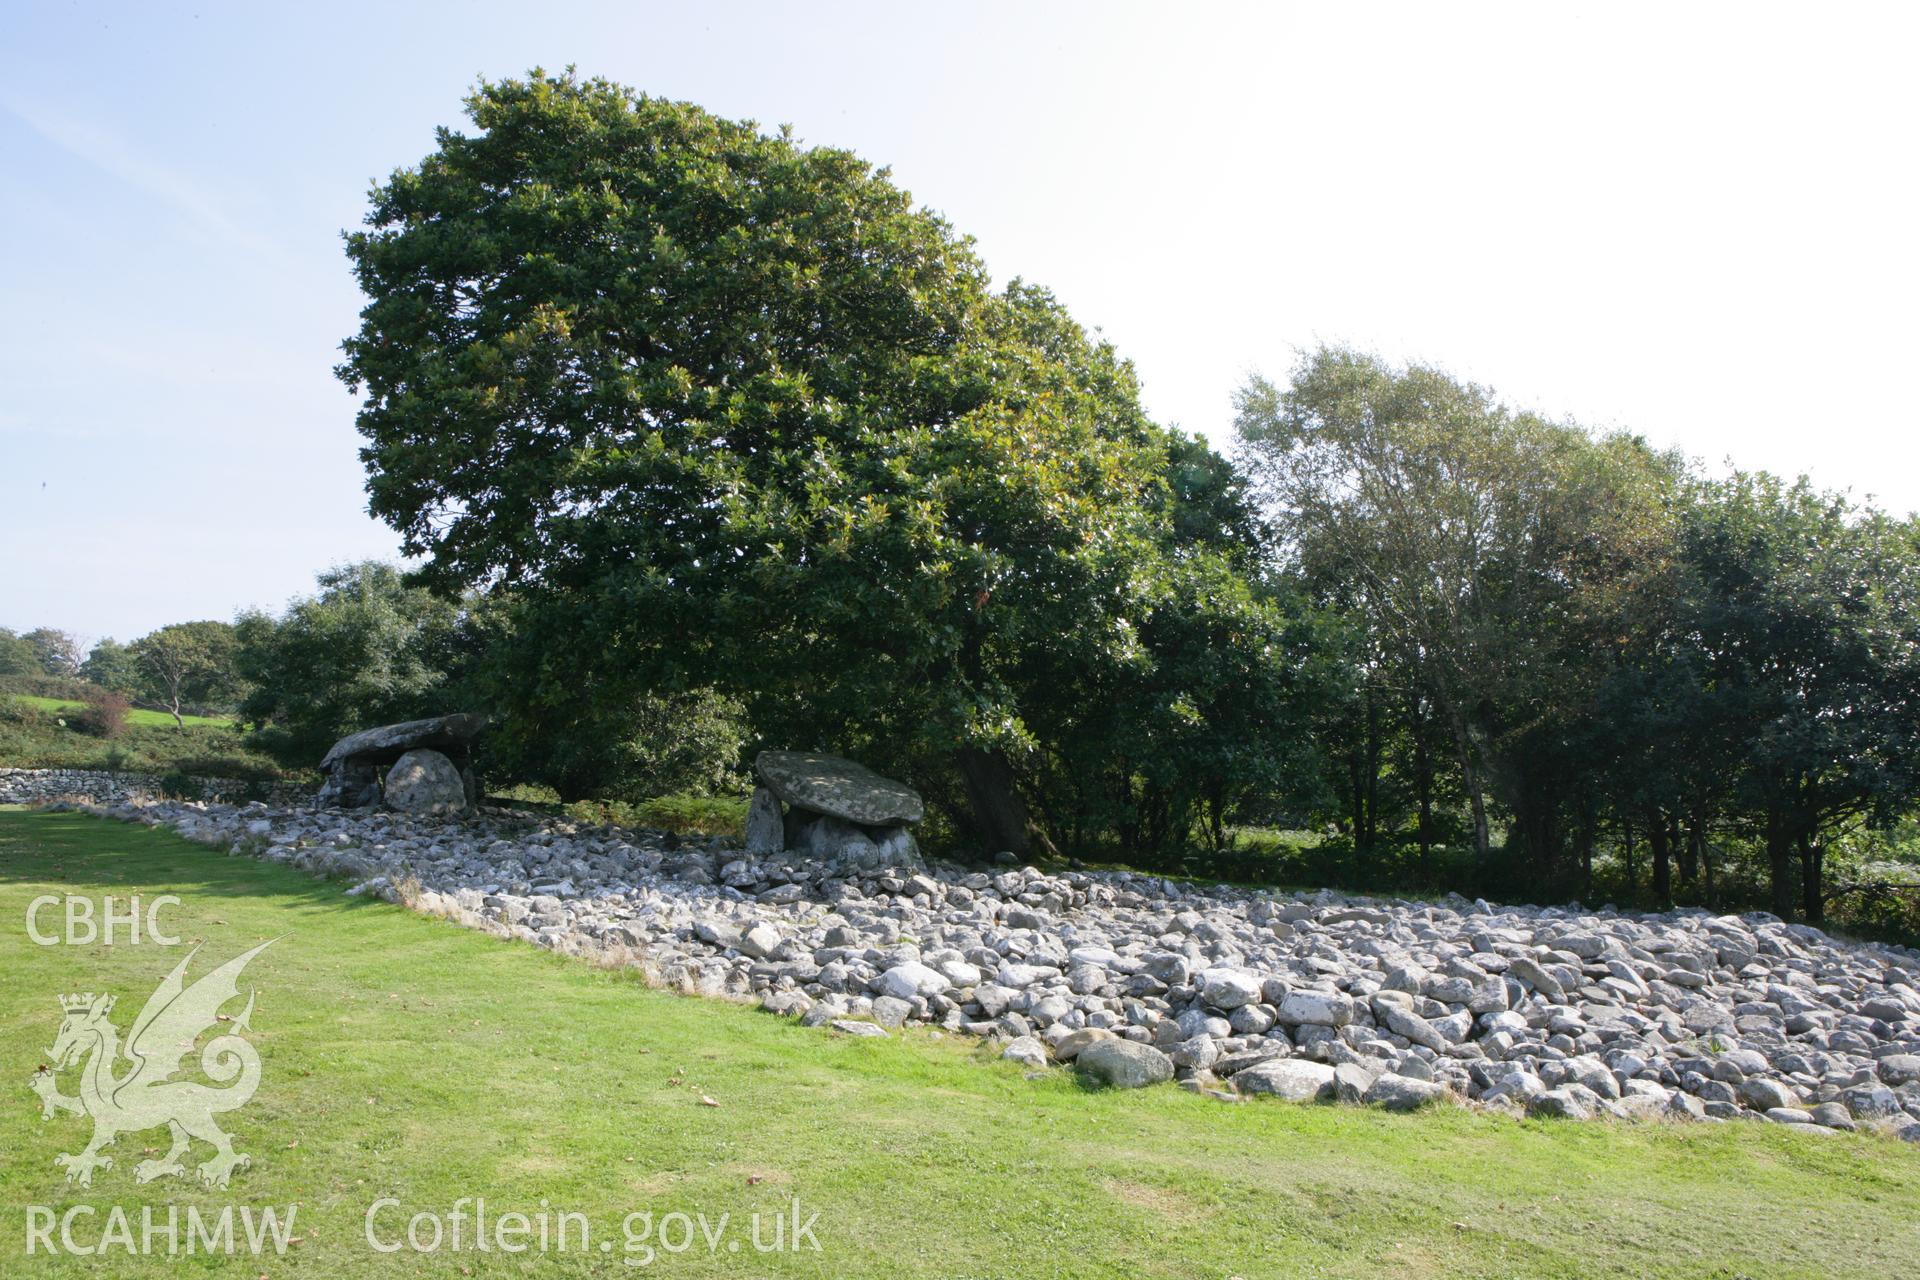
(1124, 1064)
(424, 782)
(1294, 1079)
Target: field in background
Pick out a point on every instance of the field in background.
(32, 737)
(136, 715)
(411, 1058)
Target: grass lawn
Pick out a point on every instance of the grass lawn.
(405, 1057)
(135, 715)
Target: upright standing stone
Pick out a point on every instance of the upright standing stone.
(766, 829)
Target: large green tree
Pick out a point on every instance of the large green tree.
(1491, 556)
(725, 411)
(187, 665)
(57, 651)
(112, 666)
(587, 732)
(1802, 614)
(367, 648)
(17, 655)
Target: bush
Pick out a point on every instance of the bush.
(31, 738)
(38, 685)
(236, 765)
(103, 716)
(176, 785)
(14, 711)
(686, 815)
(601, 745)
(696, 815)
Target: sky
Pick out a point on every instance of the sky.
(1695, 222)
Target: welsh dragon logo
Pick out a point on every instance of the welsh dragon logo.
(125, 1094)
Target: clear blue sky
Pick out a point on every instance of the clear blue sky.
(1693, 221)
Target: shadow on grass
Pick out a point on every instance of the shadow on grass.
(62, 848)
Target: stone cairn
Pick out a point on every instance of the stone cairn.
(1134, 979)
(420, 767)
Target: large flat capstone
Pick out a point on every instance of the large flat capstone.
(391, 741)
(837, 787)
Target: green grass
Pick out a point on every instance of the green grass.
(136, 715)
(408, 1057)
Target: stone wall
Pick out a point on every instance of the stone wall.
(27, 786)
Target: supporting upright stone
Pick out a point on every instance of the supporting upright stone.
(424, 782)
(766, 830)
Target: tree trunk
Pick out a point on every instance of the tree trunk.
(1662, 857)
(1356, 803)
(1423, 789)
(1812, 857)
(1536, 827)
(1689, 849)
(1675, 838)
(1470, 775)
(1373, 749)
(1214, 814)
(999, 812)
(1584, 837)
(1706, 865)
(1626, 830)
(1127, 824)
(1780, 863)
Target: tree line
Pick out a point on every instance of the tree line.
(700, 439)
(1586, 640)
(184, 668)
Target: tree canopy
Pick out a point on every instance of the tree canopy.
(187, 666)
(1611, 646)
(727, 411)
(1802, 615)
(1488, 553)
(367, 649)
(58, 652)
(702, 439)
(113, 666)
(17, 655)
